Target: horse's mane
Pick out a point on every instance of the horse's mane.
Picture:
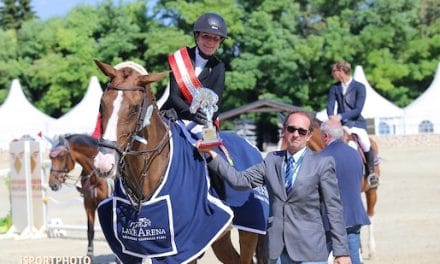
(82, 139)
(132, 65)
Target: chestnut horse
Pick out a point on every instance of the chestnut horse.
(81, 149)
(315, 143)
(147, 145)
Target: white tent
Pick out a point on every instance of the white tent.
(388, 118)
(82, 117)
(19, 117)
(422, 115)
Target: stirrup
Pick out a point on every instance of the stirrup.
(373, 180)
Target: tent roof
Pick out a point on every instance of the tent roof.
(20, 117)
(82, 117)
(427, 105)
(375, 104)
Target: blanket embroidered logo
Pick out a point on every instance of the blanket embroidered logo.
(141, 230)
(147, 232)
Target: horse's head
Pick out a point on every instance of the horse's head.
(61, 164)
(130, 116)
(127, 103)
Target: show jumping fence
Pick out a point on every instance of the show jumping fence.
(36, 209)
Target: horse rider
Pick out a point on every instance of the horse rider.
(350, 95)
(197, 67)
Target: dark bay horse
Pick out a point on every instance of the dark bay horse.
(150, 150)
(316, 144)
(81, 149)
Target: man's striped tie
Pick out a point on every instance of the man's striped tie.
(290, 167)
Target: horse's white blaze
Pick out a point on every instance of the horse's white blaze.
(111, 129)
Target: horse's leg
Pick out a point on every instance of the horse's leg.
(224, 250)
(371, 197)
(371, 200)
(371, 239)
(90, 207)
(261, 250)
(248, 244)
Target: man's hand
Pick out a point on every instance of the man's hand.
(335, 118)
(342, 260)
(205, 149)
(200, 117)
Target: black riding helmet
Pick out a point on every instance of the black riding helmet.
(211, 23)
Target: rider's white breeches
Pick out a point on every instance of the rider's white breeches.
(364, 140)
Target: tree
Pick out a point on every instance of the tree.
(14, 13)
(281, 50)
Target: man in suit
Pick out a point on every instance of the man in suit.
(350, 95)
(349, 173)
(209, 32)
(295, 229)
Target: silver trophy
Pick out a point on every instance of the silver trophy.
(206, 100)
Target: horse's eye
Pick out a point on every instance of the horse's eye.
(133, 109)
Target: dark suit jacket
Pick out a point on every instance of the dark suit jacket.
(349, 171)
(295, 220)
(350, 105)
(212, 77)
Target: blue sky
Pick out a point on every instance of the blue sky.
(49, 8)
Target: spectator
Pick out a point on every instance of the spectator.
(297, 180)
(349, 173)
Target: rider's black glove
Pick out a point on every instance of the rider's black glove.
(199, 117)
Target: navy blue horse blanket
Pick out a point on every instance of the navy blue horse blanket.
(179, 222)
(250, 207)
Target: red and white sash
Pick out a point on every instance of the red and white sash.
(183, 70)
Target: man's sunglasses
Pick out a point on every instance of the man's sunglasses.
(301, 131)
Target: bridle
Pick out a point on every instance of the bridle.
(62, 174)
(135, 192)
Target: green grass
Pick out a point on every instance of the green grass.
(5, 223)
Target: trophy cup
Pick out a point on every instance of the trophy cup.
(206, 100)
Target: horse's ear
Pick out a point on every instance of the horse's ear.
(61, 140)
(153, 77)
(107, 69)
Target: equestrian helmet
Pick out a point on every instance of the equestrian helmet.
(211, 23)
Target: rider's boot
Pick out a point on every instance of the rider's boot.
(373, 178)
